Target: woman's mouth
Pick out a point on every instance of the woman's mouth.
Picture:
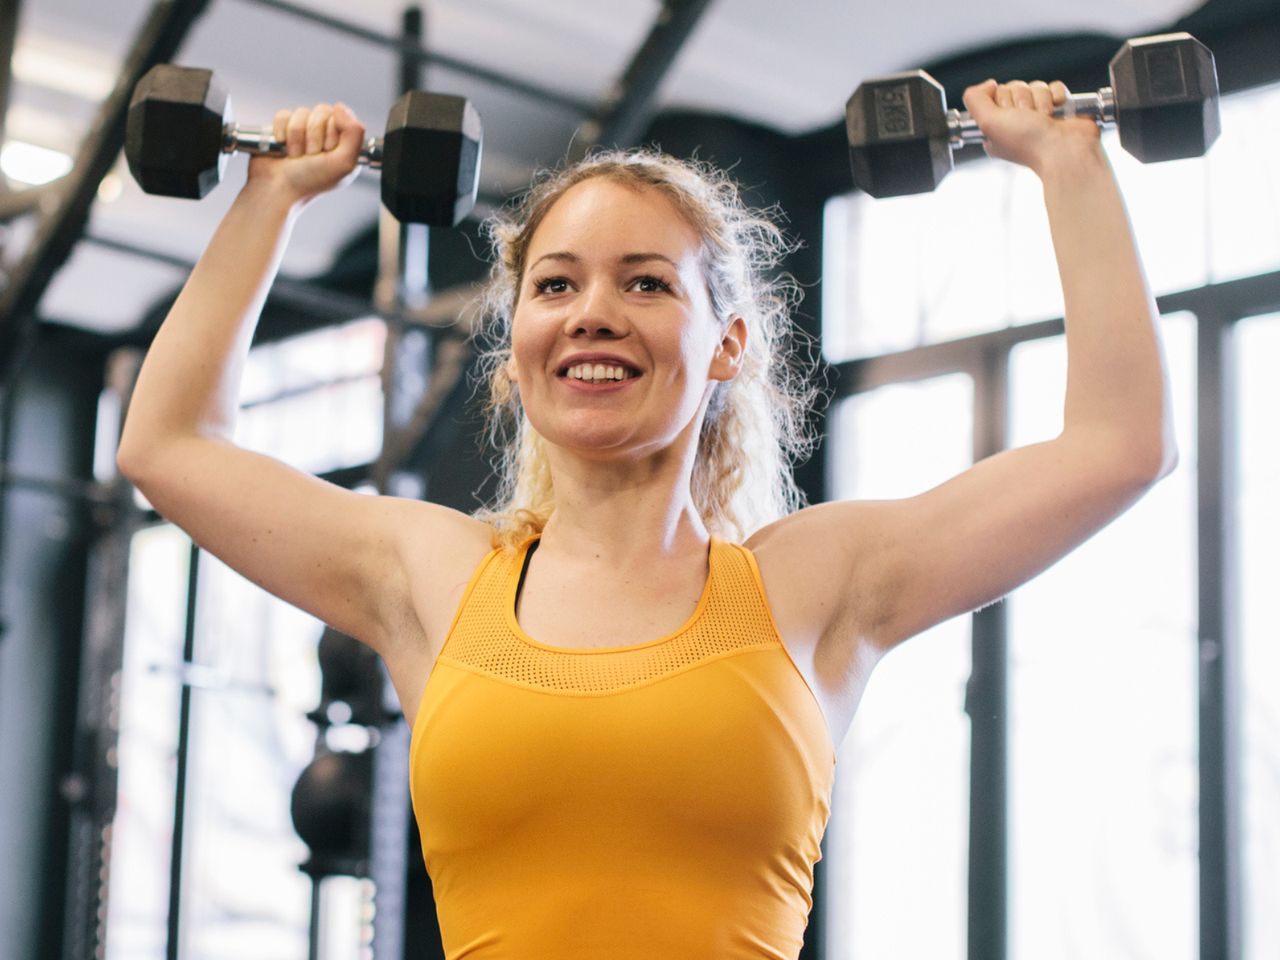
(599, 373)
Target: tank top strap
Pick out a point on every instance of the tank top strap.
(745, 583)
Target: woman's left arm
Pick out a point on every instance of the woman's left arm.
(909, 564)
(1117, 381)
(1117, 385)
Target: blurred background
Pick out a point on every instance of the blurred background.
(1090, 768)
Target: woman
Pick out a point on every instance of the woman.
(626, 746)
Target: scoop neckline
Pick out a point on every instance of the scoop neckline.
(509, 607)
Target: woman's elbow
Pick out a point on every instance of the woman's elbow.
(1163, 463)
(129, 463)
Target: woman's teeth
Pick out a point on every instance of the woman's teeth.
(597, 371)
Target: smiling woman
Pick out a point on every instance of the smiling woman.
(584, 721)
(755, 425)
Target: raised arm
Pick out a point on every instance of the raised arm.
(905, 565)
(331, 552)
(1117, 382)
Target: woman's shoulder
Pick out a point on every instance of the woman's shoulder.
(442, 537)
(440, 550)
(819, 564)
(813, 526)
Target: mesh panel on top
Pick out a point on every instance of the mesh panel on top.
(733, 619)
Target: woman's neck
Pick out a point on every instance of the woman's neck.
(639, 511)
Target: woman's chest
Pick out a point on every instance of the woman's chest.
(574, 609)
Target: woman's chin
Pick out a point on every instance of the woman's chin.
(597, 437)
(595, 445)
(618, 443)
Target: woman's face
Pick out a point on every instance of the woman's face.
(615, 346)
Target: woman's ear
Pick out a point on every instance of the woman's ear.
(731, 351)
(509, 368)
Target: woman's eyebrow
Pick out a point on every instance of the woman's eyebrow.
(564, 256)
(645, 257)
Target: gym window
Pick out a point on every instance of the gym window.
(1257, 400)
(315, 402)
(1102, 677)
(901, 801)
(1104, 775)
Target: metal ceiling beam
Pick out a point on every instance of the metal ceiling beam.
(62, 224)
(8, 35)
(412, 49)
(628, 106)
(18, 203)
(11, 203)
(448, 310)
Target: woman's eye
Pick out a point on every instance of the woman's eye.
(649, 284)
(551, 285)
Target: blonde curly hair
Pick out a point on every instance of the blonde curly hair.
(756, 425)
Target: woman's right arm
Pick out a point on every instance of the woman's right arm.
(329, 551)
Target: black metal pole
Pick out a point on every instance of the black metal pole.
(184, 743)
(987, 704)
(313, 936)
(389, 818)
(404, 251)
(1221, 869)
(413, 286)
(8, 36)
(92, 784)
(412, 68)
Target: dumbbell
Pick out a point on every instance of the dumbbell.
(1163, 99)
(179, 134)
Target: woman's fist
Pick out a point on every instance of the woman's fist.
(1017, 123)
(322, 150)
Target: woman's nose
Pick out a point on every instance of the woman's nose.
(597, 313)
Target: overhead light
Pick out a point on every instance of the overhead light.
(29, 164)
(69, 73)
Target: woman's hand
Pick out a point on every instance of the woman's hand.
(1017, 123)
(323, 148)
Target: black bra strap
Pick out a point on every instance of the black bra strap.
(525, 568)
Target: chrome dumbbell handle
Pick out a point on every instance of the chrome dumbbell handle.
(1099, 106)
(261, 141)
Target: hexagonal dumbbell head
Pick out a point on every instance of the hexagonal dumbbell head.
(1166, 90)
(431, 159)
(898, 137)
(173, 133)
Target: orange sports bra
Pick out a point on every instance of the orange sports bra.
(661, 800)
